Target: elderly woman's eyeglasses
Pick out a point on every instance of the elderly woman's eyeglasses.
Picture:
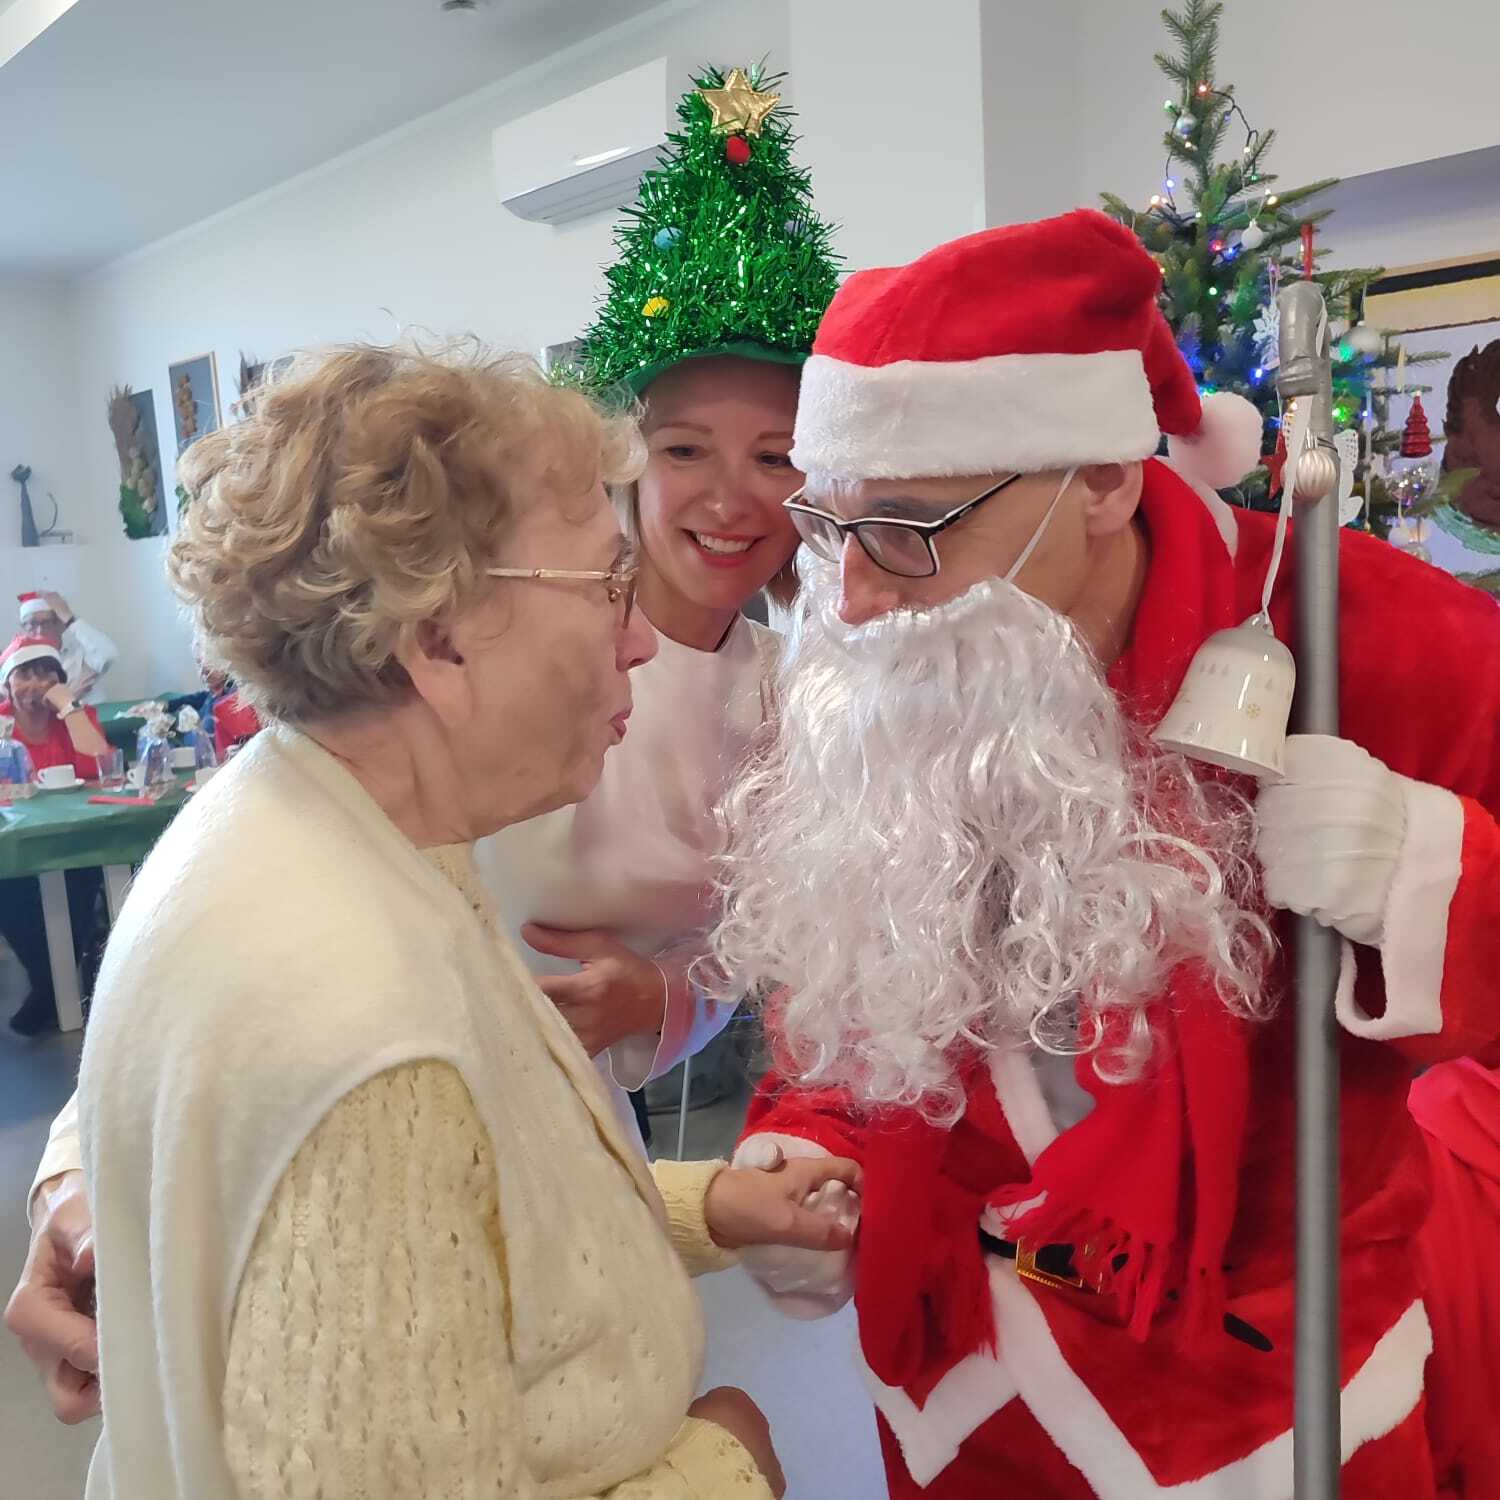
(619, 581)
(906, 548)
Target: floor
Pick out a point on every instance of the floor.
(43, 1460)
(802, 1374)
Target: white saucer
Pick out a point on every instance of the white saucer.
(71, 786)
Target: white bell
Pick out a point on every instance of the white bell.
(1233, 707)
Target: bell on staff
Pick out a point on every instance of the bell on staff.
(1234, 703)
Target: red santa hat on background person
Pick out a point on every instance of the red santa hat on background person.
(1031, 347)
(24, 649)
(32, 605)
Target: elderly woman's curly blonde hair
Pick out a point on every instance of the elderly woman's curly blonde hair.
(364, 494)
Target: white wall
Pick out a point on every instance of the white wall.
(1035, 153)
(1409, 216)
(891, 110)
(39, 408)
(411, 223)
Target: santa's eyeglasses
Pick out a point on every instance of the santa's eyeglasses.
(906, 548)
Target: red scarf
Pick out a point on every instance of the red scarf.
(1178, 1132)
(1152, 1173)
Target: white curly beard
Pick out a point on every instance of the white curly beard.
(954, 843)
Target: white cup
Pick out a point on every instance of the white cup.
(205, 773)
(56, 777)
(183, 758)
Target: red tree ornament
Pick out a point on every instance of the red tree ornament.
(737, 150)
(1275, 467)
(1416, 440)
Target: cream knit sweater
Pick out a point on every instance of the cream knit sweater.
(365, 1221)
(381, 1256)
(383, 1250)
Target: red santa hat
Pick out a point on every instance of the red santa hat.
(33, 605)
(27, 648)
(1036, 346)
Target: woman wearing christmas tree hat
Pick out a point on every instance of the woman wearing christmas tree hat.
(723, 273)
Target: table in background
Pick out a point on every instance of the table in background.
(55, 831)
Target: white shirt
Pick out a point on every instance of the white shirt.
(87, 651)
(636, 855)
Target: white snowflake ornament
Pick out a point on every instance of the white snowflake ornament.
(1350, 504)
(1267, 336)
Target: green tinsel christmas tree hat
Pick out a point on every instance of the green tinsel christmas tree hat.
(722, 252)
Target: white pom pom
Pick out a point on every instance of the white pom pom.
(1226, 445)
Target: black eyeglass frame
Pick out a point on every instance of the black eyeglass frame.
(926, 531)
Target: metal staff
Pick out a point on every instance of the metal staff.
(1306, 375)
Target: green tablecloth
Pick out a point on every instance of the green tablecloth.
(65, 831)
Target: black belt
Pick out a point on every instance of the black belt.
(1052, 1265)
(1049, 1265)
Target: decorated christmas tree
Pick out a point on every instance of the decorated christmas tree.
(722, 252)
(1225, 236)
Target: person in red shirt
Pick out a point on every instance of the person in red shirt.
(56, 732)
(234, 723)
(232, 720)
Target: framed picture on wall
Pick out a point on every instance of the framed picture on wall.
(1452, 309)
(132, 421)
(194, 384)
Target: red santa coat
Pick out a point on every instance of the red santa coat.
(1042, 1385)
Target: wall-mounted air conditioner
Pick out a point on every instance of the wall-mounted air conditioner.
(587, 152)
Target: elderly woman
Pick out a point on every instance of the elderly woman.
(366, 1222)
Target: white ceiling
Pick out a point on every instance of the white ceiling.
(128, 119)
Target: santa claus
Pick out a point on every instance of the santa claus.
(1031, 968)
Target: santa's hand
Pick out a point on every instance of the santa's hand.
(806, 1283)
(616, 994)
(1330, 835)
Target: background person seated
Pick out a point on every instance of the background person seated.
(56, 732)
(228, 720)
(87, 653)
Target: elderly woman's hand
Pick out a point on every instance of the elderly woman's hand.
(730, 1408)
(780, 1205)
(50, 1310)
(616, 994)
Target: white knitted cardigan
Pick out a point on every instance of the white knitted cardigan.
(283, 944)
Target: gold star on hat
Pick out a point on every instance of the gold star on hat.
(739, 105)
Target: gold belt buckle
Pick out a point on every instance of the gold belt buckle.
(1027, 1267)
